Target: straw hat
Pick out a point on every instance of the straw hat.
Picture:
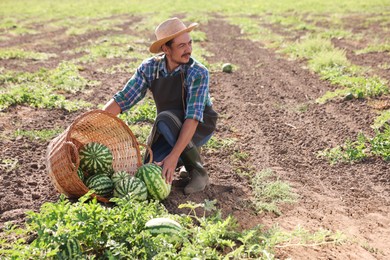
(168, 30)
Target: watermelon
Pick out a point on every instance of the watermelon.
(150, 174)
(80, 174)
(130, 188)
(163, 226)
(120, 175)
(101, 184)
(70, 250)
(227, 67)
(96, 158)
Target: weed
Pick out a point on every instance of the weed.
(145, 111)
(85, 25)
(308, 48)
(44, 134)
(8, 165)
(380, 143)
(216, 143)
(357, 87)
(360, 149)
(38, 89)
(336, 34)
(302, 108)
(384, 47)
(253, 31)
(240, 156)
(7, 54)
(351, 151)
(295, 22)
(268, 193)
(302, 237)
(37, 96)
(327, 60)
(380, 120)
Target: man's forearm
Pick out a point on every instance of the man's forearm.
(185, 136)
(112, 107)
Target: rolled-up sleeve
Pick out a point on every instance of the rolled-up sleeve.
(197, 95)
(133, 91)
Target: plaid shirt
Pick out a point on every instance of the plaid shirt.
(196, 83)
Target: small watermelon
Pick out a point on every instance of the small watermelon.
(101, 184)
(131, 188)
(120, 175)
(163, 226)
(96, 158)
(151, 175)
(227, 67)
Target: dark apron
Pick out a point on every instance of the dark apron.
(169, 95)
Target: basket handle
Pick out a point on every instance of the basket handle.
(75, 151)
(149, 151)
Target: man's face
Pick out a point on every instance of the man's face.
(180, 50)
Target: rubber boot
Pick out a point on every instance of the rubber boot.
(198, 175)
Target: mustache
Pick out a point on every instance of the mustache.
(185, 54)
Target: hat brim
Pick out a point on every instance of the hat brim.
(156, 46)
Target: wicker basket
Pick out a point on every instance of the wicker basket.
(62, 158)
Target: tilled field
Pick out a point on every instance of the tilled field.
(258, 104)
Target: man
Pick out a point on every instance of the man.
(180, 87)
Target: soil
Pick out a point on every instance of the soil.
(267, 104)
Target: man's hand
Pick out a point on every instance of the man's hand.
(169, 166)
(170, 162)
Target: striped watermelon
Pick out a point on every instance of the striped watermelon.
(80, 174)
(96, 158)
(163, 226)
(150, 174)
(70, 250)
(131, 188)
(101, 184)
(120, 175)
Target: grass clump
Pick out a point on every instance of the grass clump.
(216, 143)
(42, 88)
(380, 143)
(383, 47)
(37, 96)
(8, 54)
(67, 77)
(295, 22)
(350, 151)
(380, 120)
(40, 135)
(253, 31)
(302, 237)
(144, 111)
(363, 147)
(117, 46)
(268, 193)
(84, 25)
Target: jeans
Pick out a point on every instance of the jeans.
(167, 140)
